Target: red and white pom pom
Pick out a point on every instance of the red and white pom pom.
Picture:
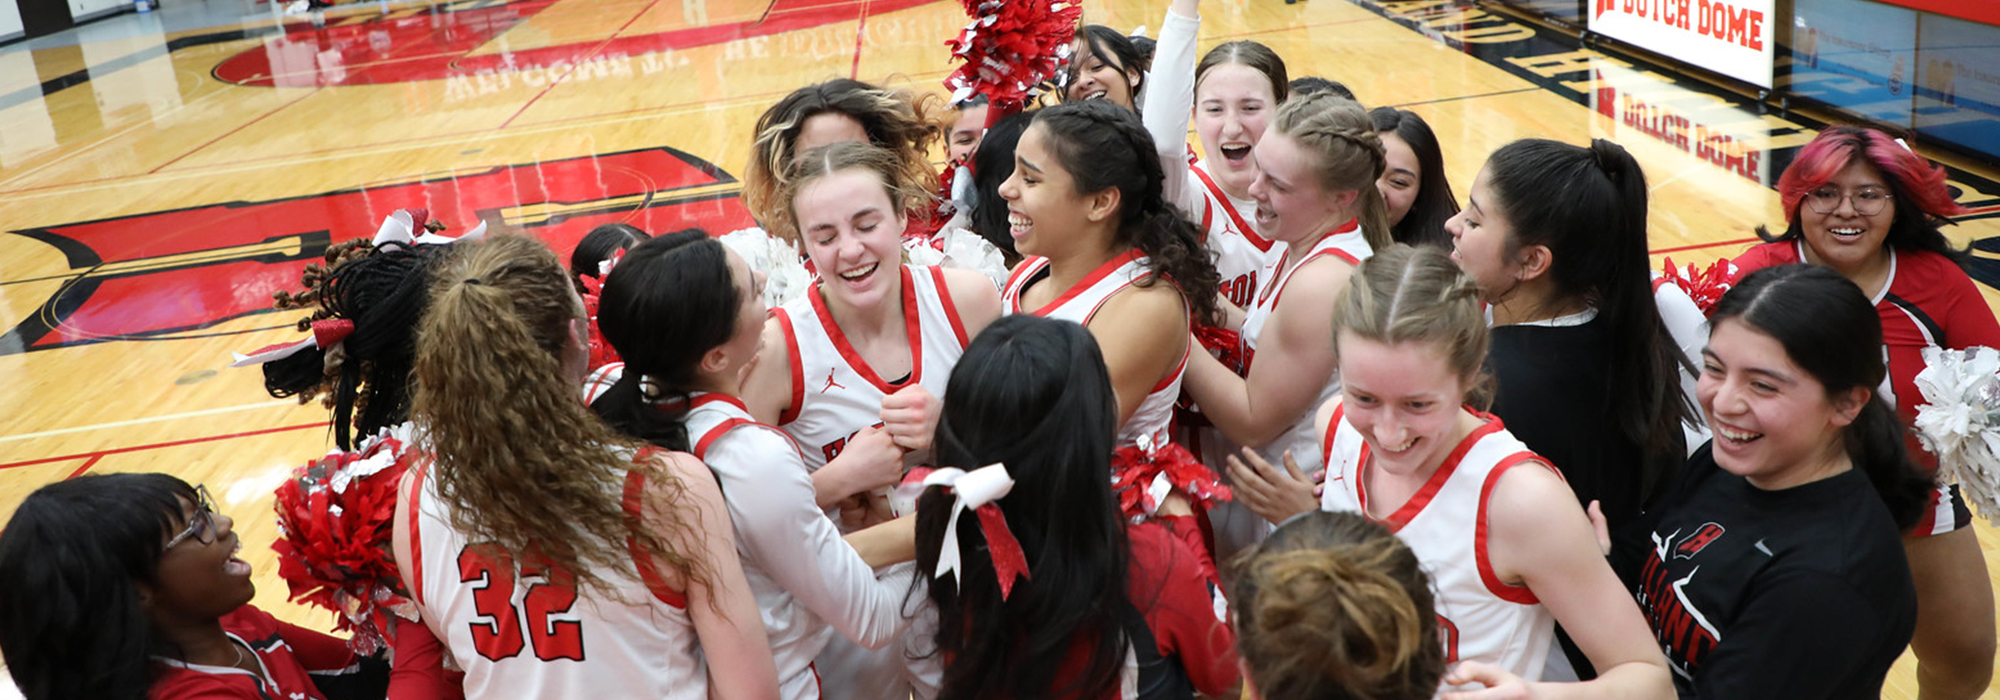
(1009, 47)
(1705, 286)
(335, 517)
(1143, 477)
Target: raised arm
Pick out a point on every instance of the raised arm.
(1169, 100)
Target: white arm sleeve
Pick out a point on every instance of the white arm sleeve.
(1169, 101)
(779, 527)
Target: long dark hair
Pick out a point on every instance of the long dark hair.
(669, 302)
(384, 291)
(599, 245)
(1105, 146)
(1588, 206)
(1434, 205)
(1110, 46)
(1033, 394)
(1921, 197)
(71, 623)
(991, 165)
(1830, 329)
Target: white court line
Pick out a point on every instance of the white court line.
(154, 419)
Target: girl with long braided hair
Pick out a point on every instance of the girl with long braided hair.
(1106, 250)
(612, 548)
(1316, 193)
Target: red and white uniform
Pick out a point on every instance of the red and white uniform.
(288, 654)
(1926, 302)
(808, 582)
(1345, 243)
(1480, 617)
(835, 394)
(1080, 303)
(517, 634)
(1242, 257)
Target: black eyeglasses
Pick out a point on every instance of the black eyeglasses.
(1868, 201)
(201, 526)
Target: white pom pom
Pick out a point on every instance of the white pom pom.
(1961, 421)
(966, 250)
(918, 252)
(785, 276)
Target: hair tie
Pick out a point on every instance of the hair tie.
(978, 489)
(473, 280)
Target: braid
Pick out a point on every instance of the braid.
(1342, 137)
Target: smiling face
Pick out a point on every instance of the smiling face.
(1772, 420)
(1482, 241)
(1292, 203)
(1844, 238)
(965, 134)
(825, 128)
(853, 233)
(1404, 399)
(1232, 103)
(1044, 211)
(199, 580)
(1098, 75)
(1401, 179)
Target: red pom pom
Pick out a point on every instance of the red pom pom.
(335, 517)
(1010, 47)
(1133, 471)
(1705, 287)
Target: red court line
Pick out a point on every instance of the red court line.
(94, 456)
(232, 132)
(1711, 244)
(860, 31)
(578, 63)
(86, 467)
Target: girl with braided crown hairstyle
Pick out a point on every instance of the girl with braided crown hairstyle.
(1316, 193)
(1106, 250)
(1510, 551)
(613, 548)
(904, 122)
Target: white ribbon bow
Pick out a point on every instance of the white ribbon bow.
(969, 490)
(400, 227)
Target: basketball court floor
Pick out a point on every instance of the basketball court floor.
(159, 180)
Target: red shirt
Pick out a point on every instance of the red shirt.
(1928, 301)
(1182, 607)
(286, 651)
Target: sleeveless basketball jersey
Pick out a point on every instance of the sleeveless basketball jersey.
(1479, 617)
(1079, 304)
(1345, 243)
(835, 394)
(518, 635)
(1228, 230)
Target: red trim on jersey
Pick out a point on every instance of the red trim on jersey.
(709, 397)
(791, 412)
(416, 573)
(1018, 279)
(1411, 508)
(1284, 276)
(1499, 588)
(854, 360)
(1168, 380)
(1083, 285)
(708, 439)
(950, 308)
(1221, 198)
(635, 498)
(1333, 429)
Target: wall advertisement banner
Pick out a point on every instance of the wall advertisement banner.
(1730, 37)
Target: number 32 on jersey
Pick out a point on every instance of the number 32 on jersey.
(509, 602)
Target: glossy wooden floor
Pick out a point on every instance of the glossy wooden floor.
(156, 191)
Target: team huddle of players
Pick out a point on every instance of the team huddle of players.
(1283, 421)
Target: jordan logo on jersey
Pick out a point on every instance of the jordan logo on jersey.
(830, 383)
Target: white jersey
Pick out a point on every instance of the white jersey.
(1345, 243)
(835, 394)
(1480, 617)
(807, 580)
(1079, 304)
(517, 635)
(1242, 256)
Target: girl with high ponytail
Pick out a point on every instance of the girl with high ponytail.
(1555, 236)
(1790, 514)
(622, 551)
(1334, 606)
(1316, 196)
(1107, 251)
(1510, 551)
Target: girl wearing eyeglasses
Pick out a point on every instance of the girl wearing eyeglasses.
(127, 586)
(1861, 203)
